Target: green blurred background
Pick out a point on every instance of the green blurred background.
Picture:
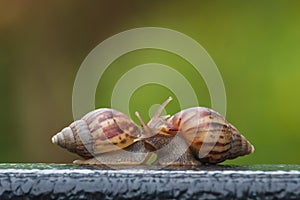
(255, 44)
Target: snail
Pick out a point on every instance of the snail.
(204, 136)
(190, 137)
(100, 137)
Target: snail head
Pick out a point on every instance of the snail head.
(156, 125)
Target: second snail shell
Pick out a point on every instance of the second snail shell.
(210, 137)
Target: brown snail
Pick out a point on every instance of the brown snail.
(191, 137)
(204, 136)
(100, 136)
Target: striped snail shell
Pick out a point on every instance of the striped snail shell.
(99, 131)
(211, 138)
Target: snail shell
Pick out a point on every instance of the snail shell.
(211, 138)
(99, 131)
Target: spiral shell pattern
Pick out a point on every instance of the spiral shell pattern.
(102, 130)
(211, 138)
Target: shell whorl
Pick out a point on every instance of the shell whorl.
(99, 131)
(211, 138)
(239, 144)
(75, 138)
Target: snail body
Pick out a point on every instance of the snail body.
(207, 135)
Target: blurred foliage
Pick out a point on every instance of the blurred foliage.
(255, 44)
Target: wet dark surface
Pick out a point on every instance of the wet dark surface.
(59, 181)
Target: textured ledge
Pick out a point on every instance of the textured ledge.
(41, 181)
